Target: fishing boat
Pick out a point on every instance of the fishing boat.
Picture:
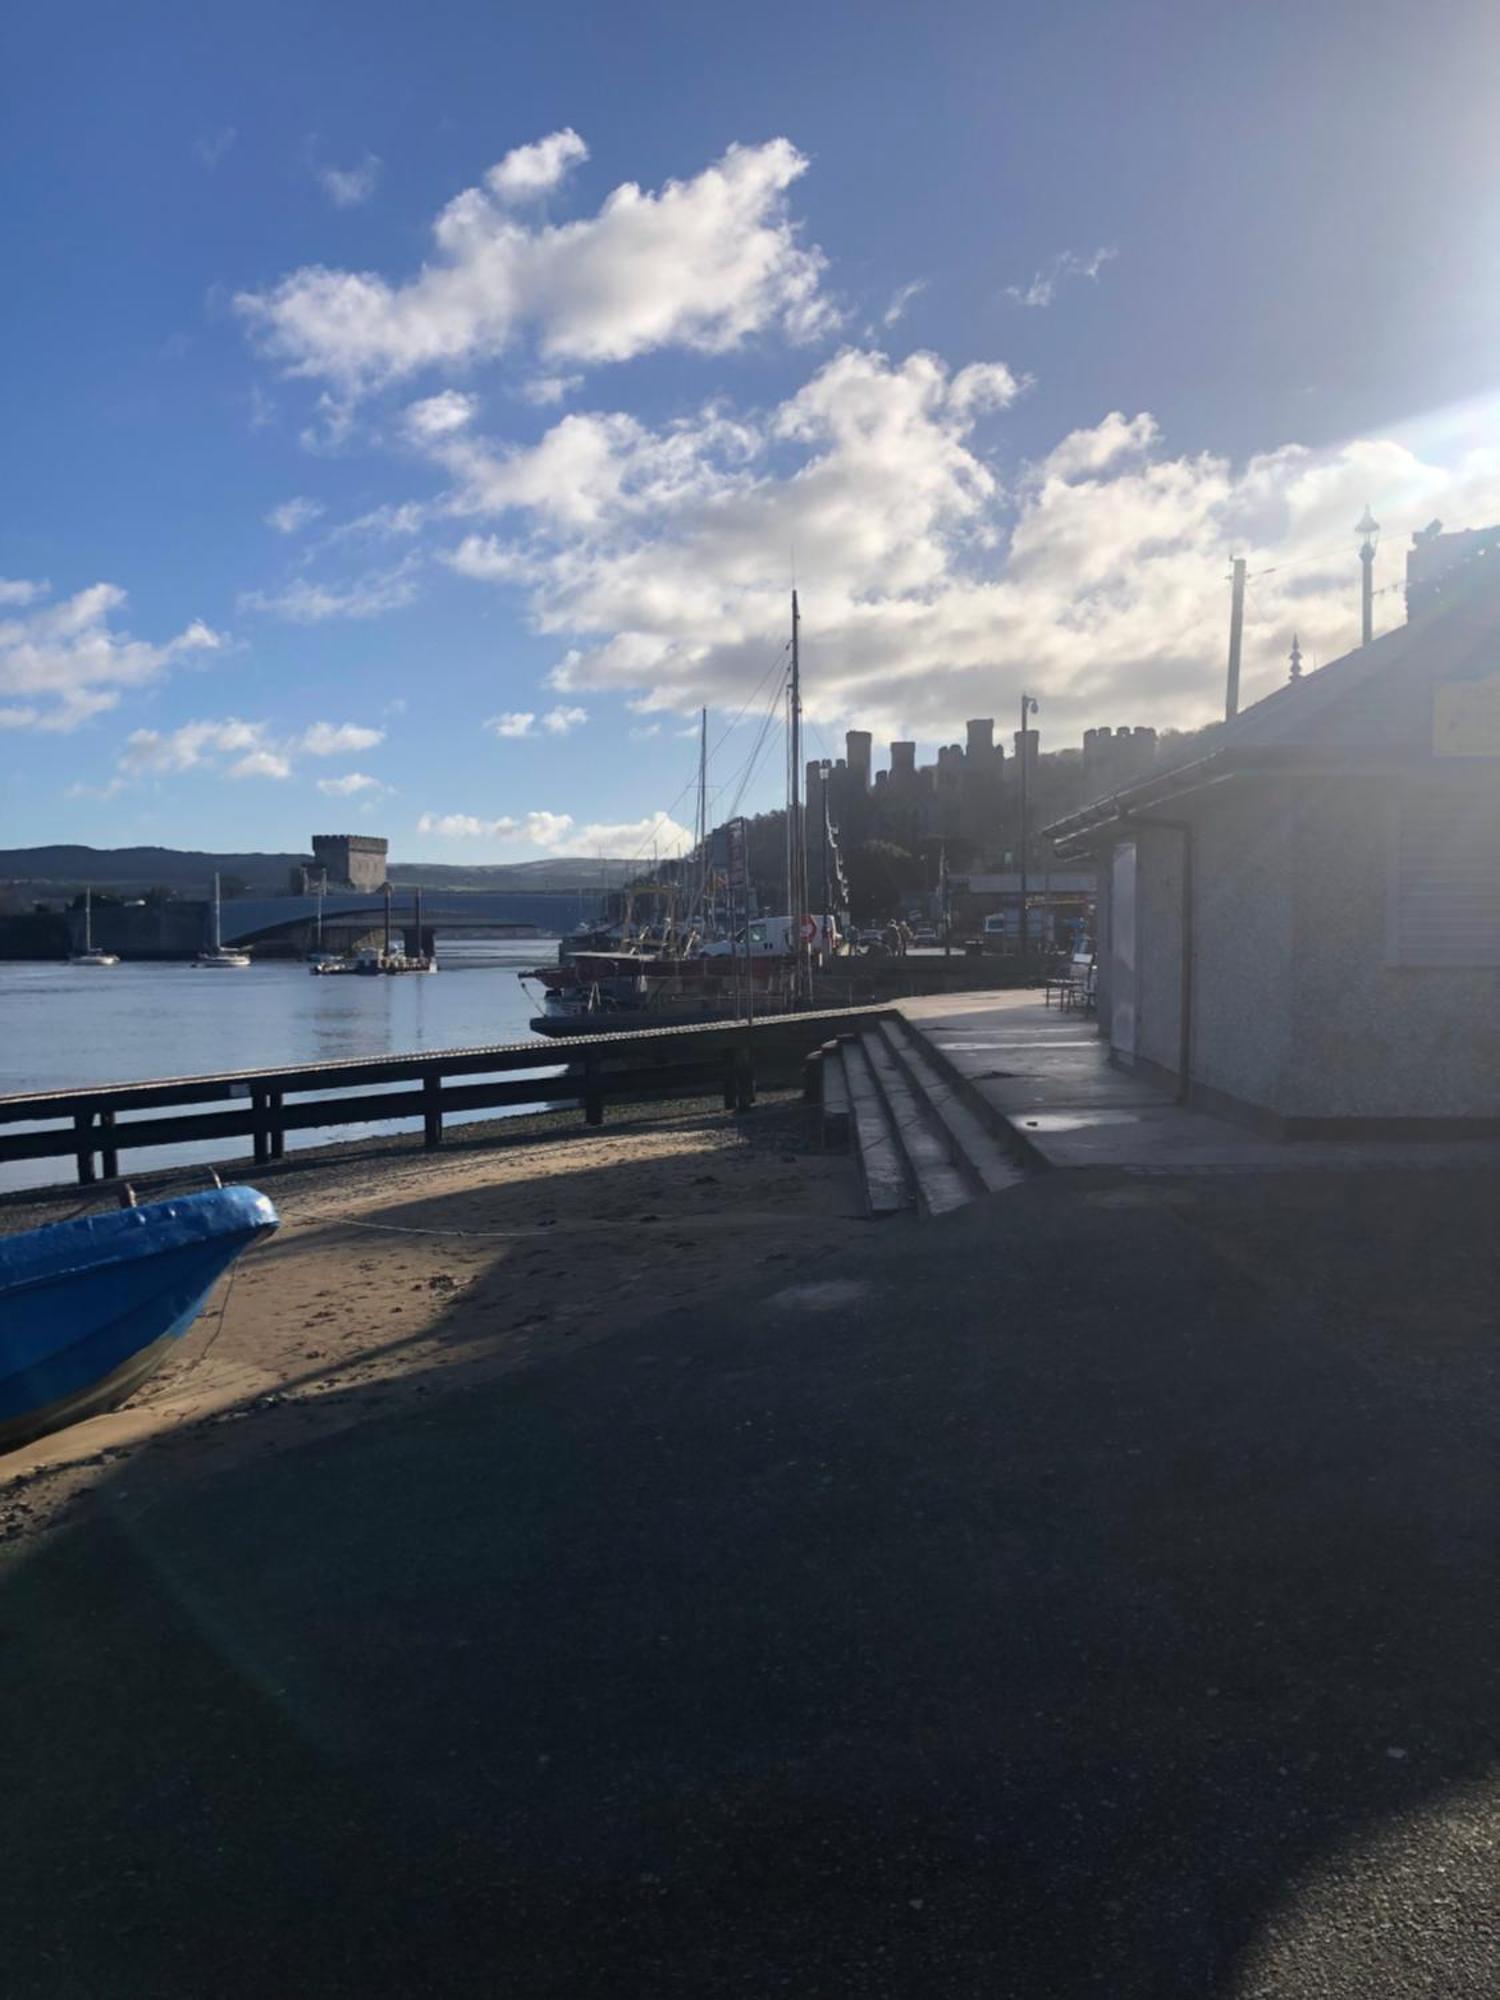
(91, 955)
(90, 1308)
(217, 958)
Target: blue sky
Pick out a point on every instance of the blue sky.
(413, 414)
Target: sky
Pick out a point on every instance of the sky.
(411, 416)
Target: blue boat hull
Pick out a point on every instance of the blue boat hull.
(88, 1309)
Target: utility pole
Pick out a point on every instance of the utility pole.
(1028, 707)
(1236, 636)
(1369, 527)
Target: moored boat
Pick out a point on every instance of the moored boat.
(90, 1308)
(220, 957)
(91, 954)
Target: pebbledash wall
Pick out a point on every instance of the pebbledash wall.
(1297, 1012)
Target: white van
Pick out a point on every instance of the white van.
(774, 937)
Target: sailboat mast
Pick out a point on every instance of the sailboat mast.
(796, 902)
(218, 941)
(88, 919)
(702, 827)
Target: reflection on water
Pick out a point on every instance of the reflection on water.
(68, 1024)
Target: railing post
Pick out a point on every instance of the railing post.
(432, 1109)
(111, 1158)
(82, 1124)
(277, 1145)
(731, 1085)
(593, 1091)
(261, 1136)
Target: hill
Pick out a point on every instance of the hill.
(44, 871)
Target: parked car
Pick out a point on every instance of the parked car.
(925, 939)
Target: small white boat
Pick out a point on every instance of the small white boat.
(91, 955)
(219, 957)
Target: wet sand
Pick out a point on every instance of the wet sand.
(399, 1274)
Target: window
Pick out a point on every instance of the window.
(1444, 905)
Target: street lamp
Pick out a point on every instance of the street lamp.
(1369, 528)
(1028, 707)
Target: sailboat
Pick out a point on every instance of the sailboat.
(91, 955)
(217, 958)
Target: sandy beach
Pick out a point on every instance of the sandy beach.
(396, 1274)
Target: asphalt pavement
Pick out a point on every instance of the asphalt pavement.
(1091, 1593)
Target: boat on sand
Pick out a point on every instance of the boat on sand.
(90, 1308)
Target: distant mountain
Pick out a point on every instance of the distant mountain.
(52, 870)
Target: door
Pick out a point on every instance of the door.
(1122, 955)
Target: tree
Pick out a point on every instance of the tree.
(881, 875)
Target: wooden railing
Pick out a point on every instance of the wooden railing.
(89, 1125)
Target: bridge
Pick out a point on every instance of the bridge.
(257, 919)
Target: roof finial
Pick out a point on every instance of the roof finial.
(1296, 659)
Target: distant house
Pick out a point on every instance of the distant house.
(1303, 926)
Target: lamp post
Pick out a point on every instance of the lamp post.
(1369, 527)
(1028, 707)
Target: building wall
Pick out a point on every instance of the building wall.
(1377, 1040)
(1243, 927)
(1245, 860)
(1296, 1012)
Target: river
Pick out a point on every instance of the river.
(68, 1024)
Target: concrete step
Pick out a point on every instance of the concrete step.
(973, 1145)
(940, 1185)
(882, 1167)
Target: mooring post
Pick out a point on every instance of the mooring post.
(432, 1109)
(82, 1123)
(593, 1091)
(812, 1076)
(111, 1158)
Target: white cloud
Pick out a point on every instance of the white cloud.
(657, 560)
(62, 663)
(328, 739)
(544, 390)
(212, 146)
(17, 590)
(437, 416)
(558, 721)
(535, 170)
(240, 749)
(1066, 264)
(292, 516)
(149, 752)
(347, 187)
(353, 782)
(702, 263)
(559, 833)
(900, 300)
(309, 603)
(515, 723)
(1084, 453)
(261, 764)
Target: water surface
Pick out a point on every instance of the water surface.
(64, 1024)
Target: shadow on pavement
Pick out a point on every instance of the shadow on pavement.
(1039, 1611)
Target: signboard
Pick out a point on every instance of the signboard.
(1466, 718)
